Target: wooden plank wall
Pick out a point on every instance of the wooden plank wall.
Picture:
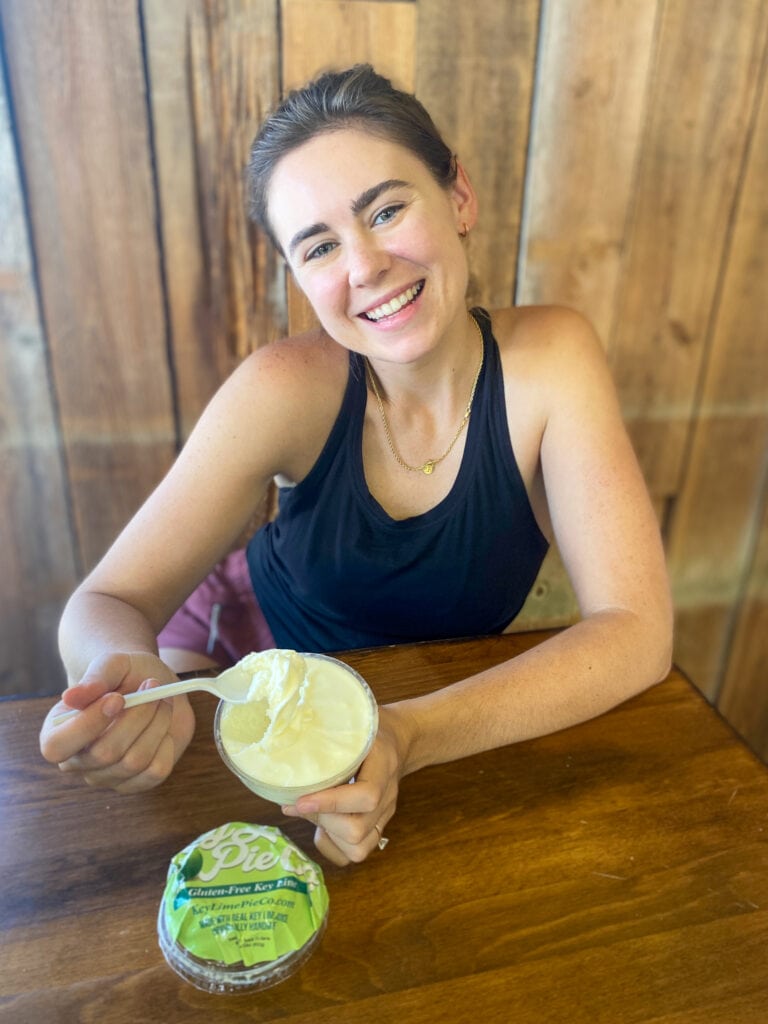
(620, 153)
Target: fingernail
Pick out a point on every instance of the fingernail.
(112, 705)
(307, 806)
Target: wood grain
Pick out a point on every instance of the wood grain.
(717, 514)
(743, 698)
(213, 77)
(78, 90)
(37, 560)
(708, 57)
(323, 34)
(593, 69)
(614, 871)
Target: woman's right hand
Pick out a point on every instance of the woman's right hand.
(107, 746)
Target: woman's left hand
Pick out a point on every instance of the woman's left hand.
(351, 819)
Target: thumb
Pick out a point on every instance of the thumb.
(104, 674)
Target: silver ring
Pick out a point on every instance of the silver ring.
(382, 838)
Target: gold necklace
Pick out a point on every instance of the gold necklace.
(430, 464)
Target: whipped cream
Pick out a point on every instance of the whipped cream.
(307, 718)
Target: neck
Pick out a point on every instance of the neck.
(418, 423)
(440, 378)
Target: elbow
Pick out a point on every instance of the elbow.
(664, 664)
(647, 646)
(658, 646)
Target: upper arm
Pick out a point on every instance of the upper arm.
(249, 432)
(601, 514)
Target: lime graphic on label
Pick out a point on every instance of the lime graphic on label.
(192, 865)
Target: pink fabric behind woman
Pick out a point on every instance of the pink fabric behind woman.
(222, 618)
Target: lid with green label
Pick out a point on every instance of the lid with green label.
(243, 908)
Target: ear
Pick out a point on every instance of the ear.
(464, 200)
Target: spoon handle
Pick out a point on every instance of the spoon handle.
(155, 693)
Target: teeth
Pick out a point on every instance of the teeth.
(394, 305)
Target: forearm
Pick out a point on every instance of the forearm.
(94, 624)
(575, 675)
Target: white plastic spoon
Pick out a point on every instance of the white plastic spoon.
(233, 685)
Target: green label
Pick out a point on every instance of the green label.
(243, 894)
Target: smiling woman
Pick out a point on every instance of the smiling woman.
(426, 454)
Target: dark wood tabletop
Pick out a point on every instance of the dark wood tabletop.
(616, 872)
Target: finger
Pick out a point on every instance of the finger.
(328, 848)
(156, 771)
(127, 742)
(60, 742)
(342, 853)
(357, 797)
(106, 673)
(80, 696)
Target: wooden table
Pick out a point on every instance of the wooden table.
(616, 872)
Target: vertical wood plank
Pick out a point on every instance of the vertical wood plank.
(37, 560)
(714, 520)
(213, 76)
(592, 82)
(322, 34)
(318, 35)
(705, 77)
(475, 66)
(744, 696)
(77, 82)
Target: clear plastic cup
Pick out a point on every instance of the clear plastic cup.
(345, 768)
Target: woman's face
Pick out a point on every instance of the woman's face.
(373, 242)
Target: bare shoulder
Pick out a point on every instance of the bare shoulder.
(550, 354)
(305, 373)
(282, 401)
(292, 363)
(542, 333)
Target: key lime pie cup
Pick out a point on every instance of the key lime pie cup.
(243, 909)
(308, 725)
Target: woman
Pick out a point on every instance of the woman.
(425, 455)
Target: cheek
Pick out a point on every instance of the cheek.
(436, 242)
(444, 252)
(324, 292)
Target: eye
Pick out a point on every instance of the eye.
(320, 250)
(388, 213)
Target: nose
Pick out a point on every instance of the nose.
(367, 261)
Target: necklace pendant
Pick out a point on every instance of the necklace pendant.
(428, 467)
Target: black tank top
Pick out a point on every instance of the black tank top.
(333, 571)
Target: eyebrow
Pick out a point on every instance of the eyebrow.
(362, 202)
(372, 194)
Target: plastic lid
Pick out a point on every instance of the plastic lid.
(243, 908)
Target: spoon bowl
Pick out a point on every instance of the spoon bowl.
(232, 685)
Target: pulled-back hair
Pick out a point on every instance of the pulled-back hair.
(357, 97)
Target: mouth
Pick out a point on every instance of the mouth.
(394, 305)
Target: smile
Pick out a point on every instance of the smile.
(394, 305)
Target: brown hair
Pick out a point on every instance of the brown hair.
(356, 97)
